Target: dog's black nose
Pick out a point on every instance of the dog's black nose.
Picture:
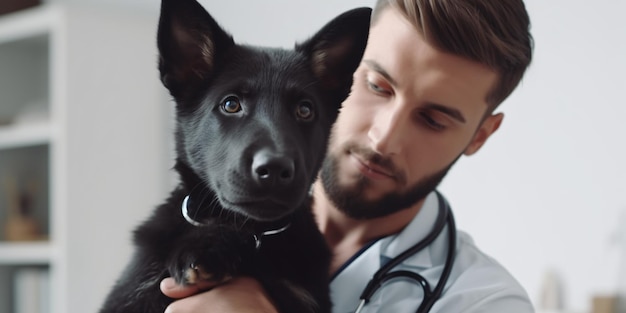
(272, 170)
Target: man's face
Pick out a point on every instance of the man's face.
(412, 112)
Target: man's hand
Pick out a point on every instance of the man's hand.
(175, 291)
(242, 294)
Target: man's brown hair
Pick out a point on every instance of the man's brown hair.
(491, 32)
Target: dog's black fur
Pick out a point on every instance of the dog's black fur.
(252, 129)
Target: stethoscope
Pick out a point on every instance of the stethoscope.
(385, 273)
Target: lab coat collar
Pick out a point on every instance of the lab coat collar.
(349, 283)
(416, 230)
(347, 286)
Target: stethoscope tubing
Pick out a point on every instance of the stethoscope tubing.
(385, 273)
(447, 269)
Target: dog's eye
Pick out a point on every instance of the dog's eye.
(231, 105)
(304, 111)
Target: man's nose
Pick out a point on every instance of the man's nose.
(387, 131)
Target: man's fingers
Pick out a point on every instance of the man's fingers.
(237, 295)
(170, 288)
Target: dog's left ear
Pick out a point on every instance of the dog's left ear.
(336, 50)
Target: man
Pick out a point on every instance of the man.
(431, 77)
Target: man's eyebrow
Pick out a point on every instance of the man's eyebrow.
(452, 112)
(378, 68)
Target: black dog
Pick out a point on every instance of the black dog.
(252, 129)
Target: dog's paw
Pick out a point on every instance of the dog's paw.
(209, 254)
(189, 273)
(196, 273)
(188, 268)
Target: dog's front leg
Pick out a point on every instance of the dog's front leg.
(211, 253)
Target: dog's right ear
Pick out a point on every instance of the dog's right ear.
(190, 43)
(336, 50)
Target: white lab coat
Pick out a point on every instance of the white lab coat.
(477, 282)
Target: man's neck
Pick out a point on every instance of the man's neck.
(346, 236)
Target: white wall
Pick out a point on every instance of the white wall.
(548, 189)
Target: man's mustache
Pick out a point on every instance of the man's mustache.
(376, 158)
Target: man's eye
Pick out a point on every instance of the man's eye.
(431, 122)
(376, 88)
(231, 105)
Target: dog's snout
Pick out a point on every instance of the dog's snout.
(272, 170)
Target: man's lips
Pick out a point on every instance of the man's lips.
(371, 169)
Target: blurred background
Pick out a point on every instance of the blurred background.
(86, 151)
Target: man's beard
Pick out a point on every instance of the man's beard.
(350, 200)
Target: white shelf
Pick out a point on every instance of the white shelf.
(27, 23)
(67, 116)
(24, 135)
(28, 253)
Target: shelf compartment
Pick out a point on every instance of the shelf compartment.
(25, 287)
(24, 191)
(24, 79)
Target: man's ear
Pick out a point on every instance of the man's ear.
(489, 126)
